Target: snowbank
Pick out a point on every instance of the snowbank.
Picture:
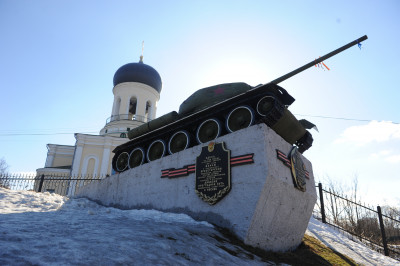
(48, 229)
(332, 238)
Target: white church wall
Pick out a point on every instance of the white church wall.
(106, 160)
(116, 105)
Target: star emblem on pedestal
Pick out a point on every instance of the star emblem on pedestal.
(219, 90)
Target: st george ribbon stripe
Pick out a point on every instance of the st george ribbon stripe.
(281, 156)
(242, 162)
(188, 169)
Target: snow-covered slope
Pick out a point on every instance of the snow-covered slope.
(48, 229)
(332, 238)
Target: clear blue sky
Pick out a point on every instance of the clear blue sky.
(58, 58)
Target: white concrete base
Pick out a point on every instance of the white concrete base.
(263, 208)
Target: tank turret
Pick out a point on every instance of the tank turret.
(215, 111)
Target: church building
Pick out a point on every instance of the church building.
(137, 88)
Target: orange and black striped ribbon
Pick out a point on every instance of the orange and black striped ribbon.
(188, 169)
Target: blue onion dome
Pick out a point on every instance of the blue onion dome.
(138, 72)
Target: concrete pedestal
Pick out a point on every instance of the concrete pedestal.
(263, 208)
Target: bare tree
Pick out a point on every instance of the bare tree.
(343, 207)
(3, 166)
(3, 173)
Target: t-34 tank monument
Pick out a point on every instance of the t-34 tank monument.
(232, 156)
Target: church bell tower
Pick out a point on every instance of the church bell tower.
(137, 88)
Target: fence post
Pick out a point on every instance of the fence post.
(385, 246)
(41, 183)
(321, 199)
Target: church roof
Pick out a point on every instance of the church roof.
(138, 72)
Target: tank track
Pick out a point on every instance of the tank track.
(191, 123)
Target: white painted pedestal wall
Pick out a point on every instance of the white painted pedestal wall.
(263, 208)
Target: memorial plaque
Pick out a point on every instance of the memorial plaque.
(213, 173)
(298, 169)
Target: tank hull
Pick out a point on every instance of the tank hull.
(217, 118)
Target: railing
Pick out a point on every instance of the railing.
(60, 184)
(130, 117)
(379, 229)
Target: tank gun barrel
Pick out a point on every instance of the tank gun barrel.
(238, 105)
(319, 60)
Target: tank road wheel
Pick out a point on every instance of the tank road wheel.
(122, 162)
(271, 109)
(208, 130)
(178, 142)
(156, 150)
(136, 158)
(239, 118)
(265, 105)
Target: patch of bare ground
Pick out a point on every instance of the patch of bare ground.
(310, 252)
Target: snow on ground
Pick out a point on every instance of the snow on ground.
(48, 229)
(332, 238)
(37, 228)
(29, 201)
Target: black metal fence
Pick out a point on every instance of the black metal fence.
(61, 184)
(379, 229)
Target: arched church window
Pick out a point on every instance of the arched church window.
(132, 108)
(91, 167)
(122, 135)
(148, 110)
